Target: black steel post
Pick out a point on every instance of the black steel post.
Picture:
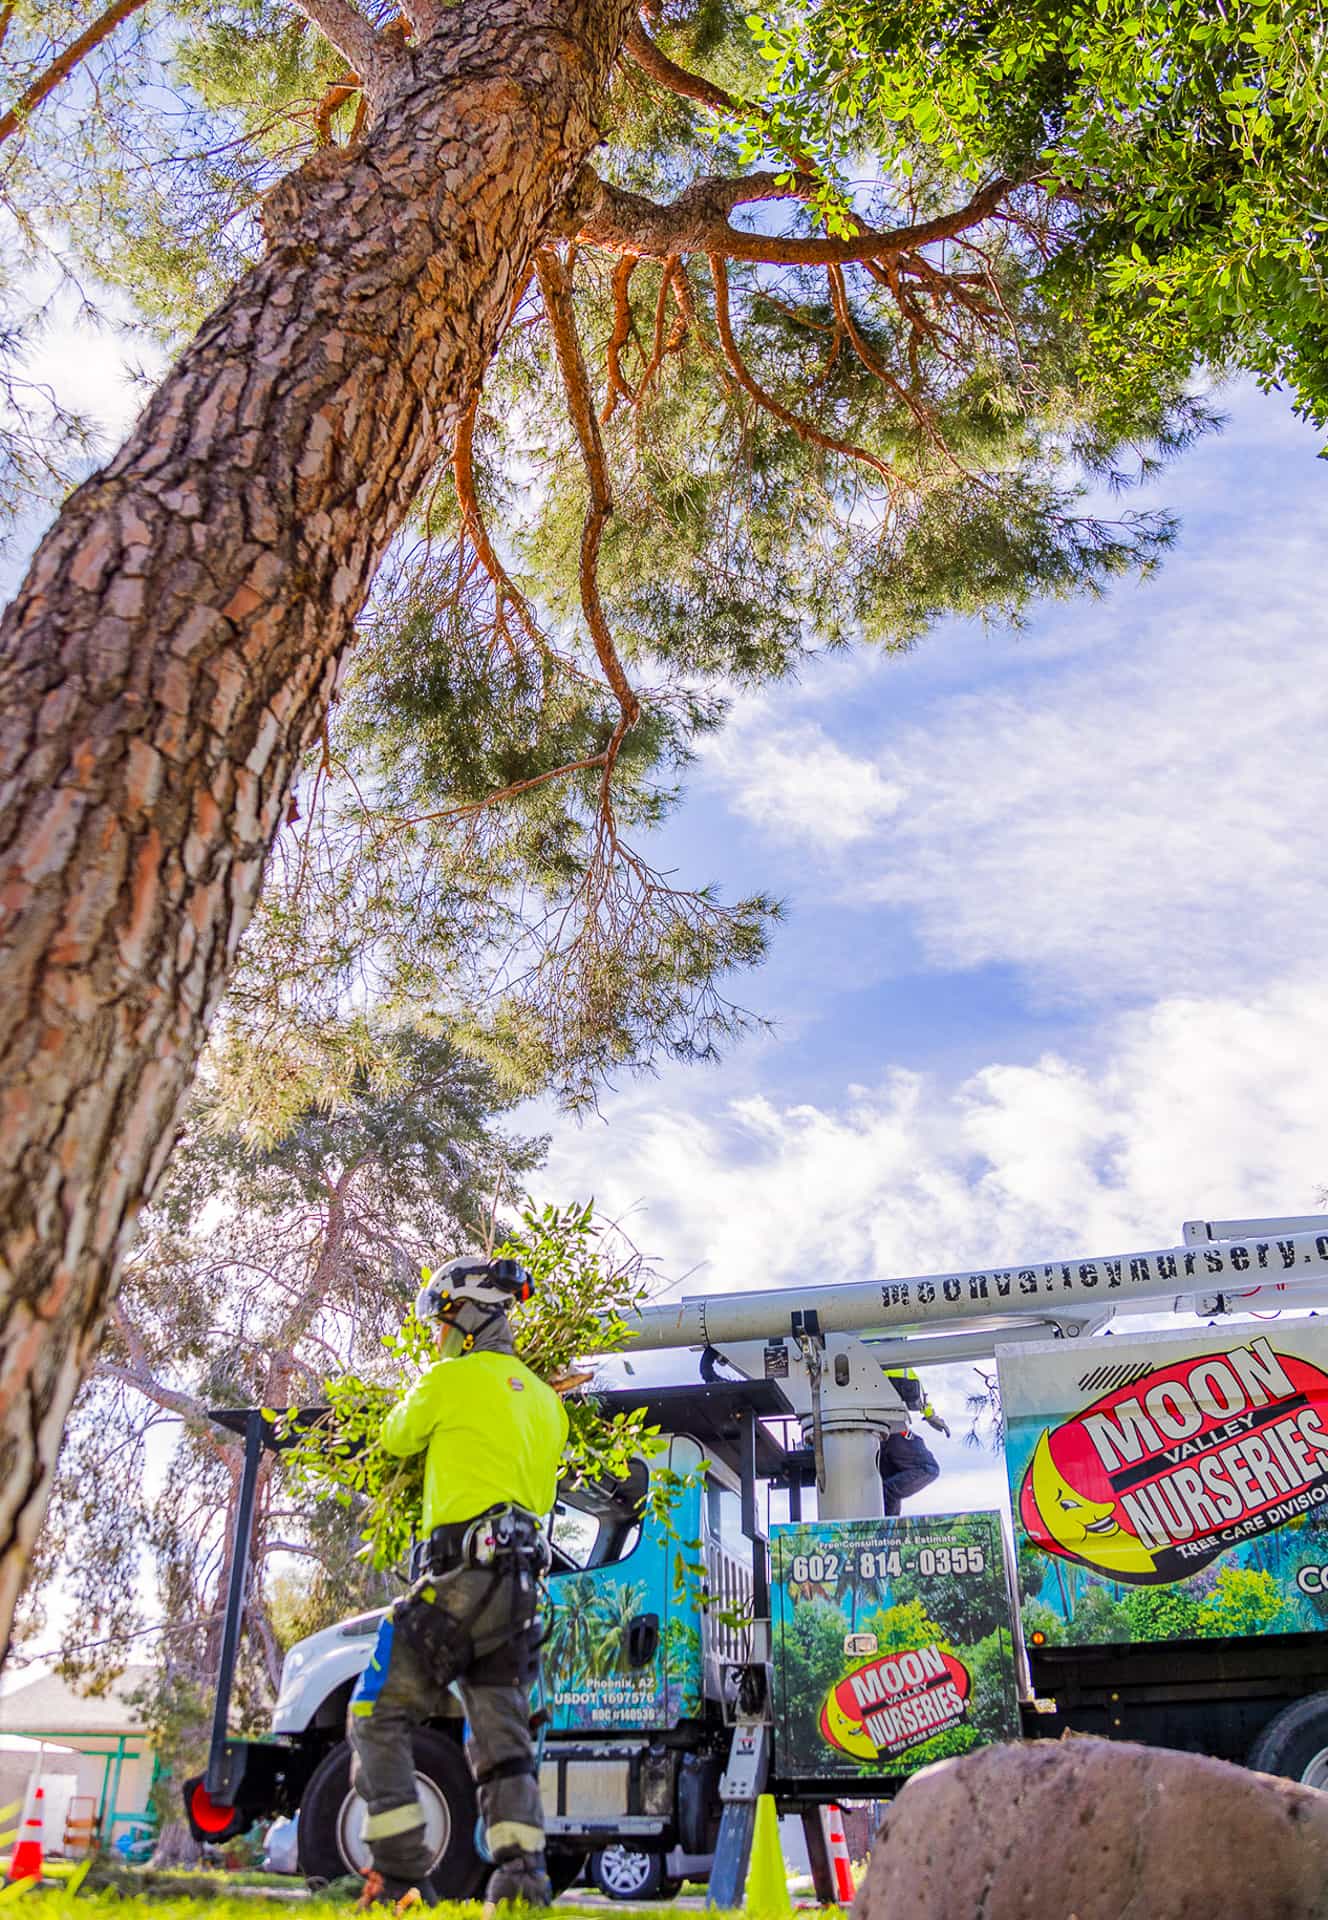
(818, 1856)
(745, 1780)
(732, 1857)
(750, 1524)
(215, 1778)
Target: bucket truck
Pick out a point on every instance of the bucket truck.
(1166, 1578)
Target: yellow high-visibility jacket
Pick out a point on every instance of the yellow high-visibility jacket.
(926, 1409)
(494, 1433)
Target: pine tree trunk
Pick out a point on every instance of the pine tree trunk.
(172, 650)
(176, 1847)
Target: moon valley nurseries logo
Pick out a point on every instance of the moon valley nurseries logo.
(880, 1711)
(1155, 1479)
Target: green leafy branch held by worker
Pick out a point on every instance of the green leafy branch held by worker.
(587, 1280)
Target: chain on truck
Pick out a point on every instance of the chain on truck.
(1165, 1579)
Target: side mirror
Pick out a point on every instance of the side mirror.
(642, 1639)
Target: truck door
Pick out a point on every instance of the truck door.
(620, 1653)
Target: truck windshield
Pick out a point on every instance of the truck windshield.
(599, 1523)
(573, 1534)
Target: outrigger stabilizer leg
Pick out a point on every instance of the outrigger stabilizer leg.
(742, 1785)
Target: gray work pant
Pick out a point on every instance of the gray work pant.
(907, 1465)
(402, 1688)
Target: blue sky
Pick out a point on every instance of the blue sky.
(1051, 977)
(1051, 980)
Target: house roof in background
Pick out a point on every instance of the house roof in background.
(50, 1705)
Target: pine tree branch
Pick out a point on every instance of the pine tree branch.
(316, 1290)
(616, 387)
(677, 333)
(803, 428)
(152, 1389)
(555, 284)
(505, 588)
(64, 63)
(871, 360)
(335, 97)
(686, 297)
(694, 86)
(399, 29)
(698, 222)
(556, 287)
(354, 37)
(654, 61)
(502, 793)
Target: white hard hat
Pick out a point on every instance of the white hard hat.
(499, 1284)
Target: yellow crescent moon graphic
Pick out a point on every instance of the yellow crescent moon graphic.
(1085, 1529)
(846, 1733)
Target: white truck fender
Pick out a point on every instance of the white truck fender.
(316, 1667)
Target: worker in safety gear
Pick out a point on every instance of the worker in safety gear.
(906, 1463)
(493, 1435)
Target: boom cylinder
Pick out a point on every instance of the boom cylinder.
(875, 1306)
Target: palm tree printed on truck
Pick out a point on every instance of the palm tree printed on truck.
(567, 1643)
(612, 1612)
(682, 1668)
(587, 1637)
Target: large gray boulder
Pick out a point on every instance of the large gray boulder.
(1098, 1830)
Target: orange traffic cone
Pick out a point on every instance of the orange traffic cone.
(27, 1861)
(839, 1861)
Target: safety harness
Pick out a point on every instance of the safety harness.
(510, 1545)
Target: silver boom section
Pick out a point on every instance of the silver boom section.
(819, 1334)
(1207, 1271)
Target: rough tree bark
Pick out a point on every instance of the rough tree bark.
(173, 648)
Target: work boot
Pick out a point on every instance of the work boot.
(518, 1876)
(403, 1859)
(382, 1890)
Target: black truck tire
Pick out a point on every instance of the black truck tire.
(1294, 1744)
(330, 1808)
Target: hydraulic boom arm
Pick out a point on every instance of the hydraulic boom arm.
(1271, 1253)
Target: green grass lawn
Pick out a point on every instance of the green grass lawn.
(179, 1896)
(161, 1902)
(113, 1892)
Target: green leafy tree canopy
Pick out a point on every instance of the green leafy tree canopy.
(1183, 139)
(741, 413)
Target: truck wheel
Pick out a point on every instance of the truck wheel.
(1295, 1742)
(625, 1873)
(332, 1816)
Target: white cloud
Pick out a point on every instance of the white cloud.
(1143, 816)
(87, 362)
(1199, 1109)
(794, 782)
